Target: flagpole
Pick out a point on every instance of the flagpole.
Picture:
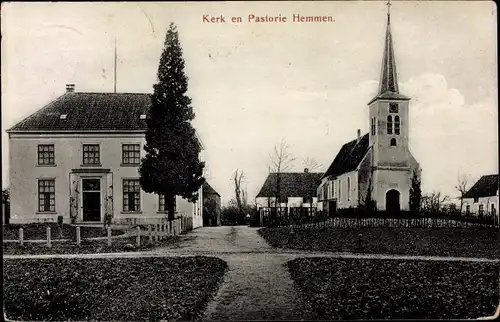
(115, 69)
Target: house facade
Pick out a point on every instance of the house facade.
(482, 197)
(211, 205)
(78, 157)
(376, 167)
(296, 189)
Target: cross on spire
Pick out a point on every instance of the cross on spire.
(388, 85)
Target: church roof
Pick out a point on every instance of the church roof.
(388, 85)
(208, 190)
(292, 184)
(486, 186)
(79, 111)
(349, 157)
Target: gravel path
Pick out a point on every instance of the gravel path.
(257, 285)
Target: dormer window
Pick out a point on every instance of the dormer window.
(63, 116)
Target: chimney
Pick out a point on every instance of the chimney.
(306, 170)
(70, 88)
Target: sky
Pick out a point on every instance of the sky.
(254, 84)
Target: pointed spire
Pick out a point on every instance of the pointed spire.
(388, 85)
(388, 76)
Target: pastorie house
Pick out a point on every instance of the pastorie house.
(375, 168)
(482, 197)
(78, 157)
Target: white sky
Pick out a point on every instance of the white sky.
(253, 84)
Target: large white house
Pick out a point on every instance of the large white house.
(78, 157)
(482, 197)
(377, 166)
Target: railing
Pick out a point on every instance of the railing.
(155, 233)
(357, 218)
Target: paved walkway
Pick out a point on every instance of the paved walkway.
(257, 285)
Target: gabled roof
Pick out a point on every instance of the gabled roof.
(349, 157)
(89, 112)
(487, 186)
(208, 190)
(292, 184)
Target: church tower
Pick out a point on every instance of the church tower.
(389, 134)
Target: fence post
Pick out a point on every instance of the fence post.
(150, 233)
(138, 238)
(109, 236)
(21, 236)
(49, 243)
(78, 236)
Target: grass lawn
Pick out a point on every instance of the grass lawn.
(336, 288)
(88, 246)
(473, 242)
(39, 231)
(129, 289)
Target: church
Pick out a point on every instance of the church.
(376, 168)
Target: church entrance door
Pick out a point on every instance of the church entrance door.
(392, 201)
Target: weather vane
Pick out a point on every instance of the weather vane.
(388, 4)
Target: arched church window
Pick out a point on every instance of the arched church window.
(348, 188)
(396, 125)
(389, 124)
(393, 142)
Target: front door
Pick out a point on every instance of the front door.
(332, 208)
(392, 201)
(91, 199)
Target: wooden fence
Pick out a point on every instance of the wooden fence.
(353, 218)
(155, 233)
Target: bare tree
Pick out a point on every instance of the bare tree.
(434, 202)
(281, 161)
(461, 187)
(239, 193)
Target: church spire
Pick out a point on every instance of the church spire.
(388, 85)
(388, 76)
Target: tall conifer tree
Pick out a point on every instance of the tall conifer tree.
(171, 166)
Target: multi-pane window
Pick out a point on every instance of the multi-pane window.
(91, 154)
(467, 209)
(389, 124)
(161, 203)
(46, 195)
(46, 154)
(131, 153)
(396, 125)
(481, 210)
(373, 126)
(131, 195)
